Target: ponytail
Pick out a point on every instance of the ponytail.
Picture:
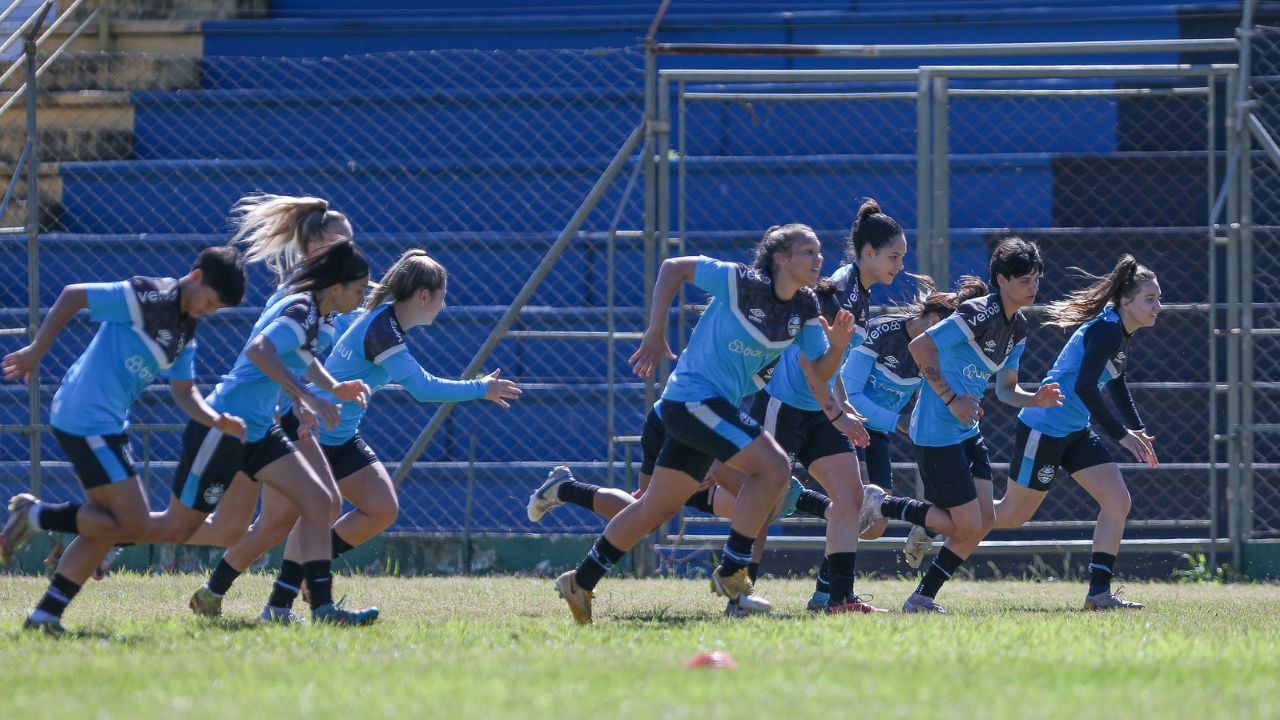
(414, 271)
(943, 304)
(279, 230)
(1122, 282)
(872, 227)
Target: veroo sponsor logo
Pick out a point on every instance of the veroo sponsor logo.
(155, 296)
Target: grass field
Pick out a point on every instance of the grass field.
(506, 648)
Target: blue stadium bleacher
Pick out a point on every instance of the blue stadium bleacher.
(488, 196)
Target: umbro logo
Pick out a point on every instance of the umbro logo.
(990, 345)
(891, 361)
(757, 315)
(165, 336)
(1120, 356)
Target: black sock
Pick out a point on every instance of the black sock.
(905, 509)
(339, 545)
(579, 493)
(287, 585)
(60, 593)
(221, 578)
(824, 576)
(1100, 570)
(319, 577)
(753, 571)
(943, 567)
(812, 502)
(737, 553)
(841, 565)
(599, 561)
(58, 517)
(701, 501)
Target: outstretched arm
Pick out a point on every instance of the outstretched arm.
(19, 365)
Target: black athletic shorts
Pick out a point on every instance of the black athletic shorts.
(98, 459)
(701, 432)
(876, 456)
(345, 459)
(210, 461)
(806, 434)
(651, 439)
(1037, 456)
(948, 472)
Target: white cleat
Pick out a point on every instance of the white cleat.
(917, 546)
(872, 498)
(545, 498)
(740, 591)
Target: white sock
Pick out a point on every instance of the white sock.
(39, 615)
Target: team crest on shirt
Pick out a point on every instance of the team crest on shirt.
(213, 494)
(793, 325)
(746, 419)
(1009, 349)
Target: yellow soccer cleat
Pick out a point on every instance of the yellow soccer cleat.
(739, 588)
(579, 600)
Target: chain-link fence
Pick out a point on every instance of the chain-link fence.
(1088, 162)
(479, 157)
(1262, 388)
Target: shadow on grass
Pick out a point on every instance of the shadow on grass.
(671, 618)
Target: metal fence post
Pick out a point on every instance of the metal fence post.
(31, 49)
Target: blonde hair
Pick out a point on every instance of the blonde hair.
(280, 229)
(414, 271)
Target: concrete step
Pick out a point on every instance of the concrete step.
(92, 69)
(157, 37)
(86, 125)
(178, 9)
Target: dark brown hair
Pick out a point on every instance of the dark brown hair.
(780, 238)
(872, 227)
(1122, 282)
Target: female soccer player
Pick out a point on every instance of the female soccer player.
(373, 350)
(803, 426)
(147, 330)
(985, 336)
(282, 343)
(754, 314)
(1109, 312)
(881, 377)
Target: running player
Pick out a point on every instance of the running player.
(1109, 311)
(147, 330)
(754, 314)
(985, 336)
(282, 343)
(373, 350)
(881, 377)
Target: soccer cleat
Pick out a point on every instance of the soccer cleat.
(917, 546)
(818, 603)
(1108, 600)
(791, 498)
(17, 529)
(872, 498)
(918, 603)
(738, 587)
(205, 604)
(335, 614)
(545, 498)
(733, 610)
(579, 600)
(278, 616)
(853, 604)
(49, 626)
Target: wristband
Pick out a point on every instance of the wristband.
(954, 395)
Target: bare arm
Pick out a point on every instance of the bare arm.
(21, 363)
(1009, 393)
(350, 391)
(187, 398)
(262, 353)
(674, 273)
(964, 408)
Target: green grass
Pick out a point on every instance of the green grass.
(505, 648)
